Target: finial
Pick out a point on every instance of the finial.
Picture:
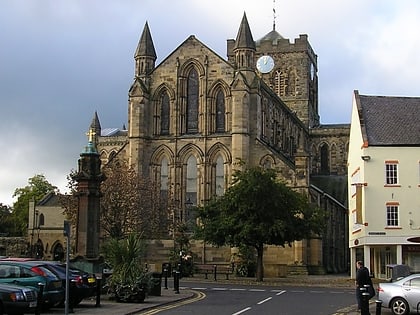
(90, 135)
(274, 15)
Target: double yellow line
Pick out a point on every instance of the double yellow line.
(197, 297)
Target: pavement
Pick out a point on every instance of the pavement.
(169, 298)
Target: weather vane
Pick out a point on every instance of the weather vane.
(274, 15)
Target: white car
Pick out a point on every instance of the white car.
(401, 296)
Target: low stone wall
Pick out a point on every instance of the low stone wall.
(13, 246)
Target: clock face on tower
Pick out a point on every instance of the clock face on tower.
(265, 64)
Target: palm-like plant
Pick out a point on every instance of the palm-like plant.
(129, 275)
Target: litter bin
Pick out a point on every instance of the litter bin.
(155, 284)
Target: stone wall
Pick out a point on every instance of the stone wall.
(13, 246)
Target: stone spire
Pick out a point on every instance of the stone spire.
(244, 48)
(95, 126)
(145, 55)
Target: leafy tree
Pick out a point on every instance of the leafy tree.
(256, 210)
(131, 204)
(128, 204)
(37, 188)
(7, 224)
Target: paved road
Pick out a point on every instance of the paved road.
(190, 292)
(228, 299)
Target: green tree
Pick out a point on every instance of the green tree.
(7, 225)
(256, 210)
(37, 188)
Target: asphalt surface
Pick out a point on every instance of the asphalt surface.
(169, 297)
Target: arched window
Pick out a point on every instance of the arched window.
(58, 252)
(220, 111)
(220, 176)
(191, 180)
(325, 168)
(164, 114)
(279, 83)
(164, 177)
(41, 220)
(190, 190)
(267, 164)
(192, 102)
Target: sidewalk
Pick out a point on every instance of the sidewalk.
(111, 307)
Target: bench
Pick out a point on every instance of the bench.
(207, 269)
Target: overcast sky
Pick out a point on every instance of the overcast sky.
(60, 61)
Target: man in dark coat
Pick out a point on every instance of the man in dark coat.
(362, 279)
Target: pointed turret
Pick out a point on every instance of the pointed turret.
(95, 126)
(244, 38)
(145, 55)
(244, 48)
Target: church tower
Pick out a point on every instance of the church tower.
(294, 76)
(139, 100)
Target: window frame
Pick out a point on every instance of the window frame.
(392, 209)
(391, 173)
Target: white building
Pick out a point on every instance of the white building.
(384, 183)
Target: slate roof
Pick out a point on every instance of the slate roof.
(272, 36)
(391, 120)
(113, 132)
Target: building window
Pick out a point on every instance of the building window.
(192, 102)
(325, 159)
(164, 177)
(164, 114)
(220, 176)
(279, 83)
(392, 215)
(220, 111)
(190, 192)
(391, 173)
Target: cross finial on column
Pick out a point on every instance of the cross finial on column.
(90, 135)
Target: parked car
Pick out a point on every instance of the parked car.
(82, 284)
(401, 296)
(30, 275)
(16, 299)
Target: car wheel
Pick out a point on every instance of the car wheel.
(399, 306)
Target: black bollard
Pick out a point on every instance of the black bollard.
(98, 290)
(39, 301)
(215, 272)
(176, 281)
(378, 307)
(364, 310)
(165, 274)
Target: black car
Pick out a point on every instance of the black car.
(82, 284)
(16, 299)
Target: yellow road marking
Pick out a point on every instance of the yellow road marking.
(199, 296)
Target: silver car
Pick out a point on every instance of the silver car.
(401, 296)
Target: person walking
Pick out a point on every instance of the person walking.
(362, 279)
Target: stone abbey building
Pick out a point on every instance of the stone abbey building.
(195, 115)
